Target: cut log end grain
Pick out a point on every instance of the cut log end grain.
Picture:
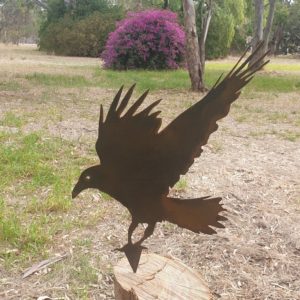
(158, 277)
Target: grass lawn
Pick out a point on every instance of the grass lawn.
(49, 108)
(163, 80)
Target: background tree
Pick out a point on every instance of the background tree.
(150, 39)
(293, 29)
(216, 22)
(40, 3)
(19, 21)
(174, 5)
(203, 18)
(280, 25)
(81, 27)
(261, 34)
(192, 46)
(78, 28)
(286, 33)
(228, 19)
(268, 27)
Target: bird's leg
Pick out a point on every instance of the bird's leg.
(147, 233)
(134, 224)
(132, 251)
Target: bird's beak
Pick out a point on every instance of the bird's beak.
(77, 190)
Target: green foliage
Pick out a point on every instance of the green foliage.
(227, 18)
(131, 5)
(84, 8)
(243, 15)
(284, 36)
(291, 40)
(57, 9)
(79, 30)
(220, 34)
(237, 9)
(281, 13)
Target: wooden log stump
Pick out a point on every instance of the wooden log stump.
(160, 278)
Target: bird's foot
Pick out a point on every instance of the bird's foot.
(133, 253)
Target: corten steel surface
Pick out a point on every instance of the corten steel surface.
(140, 163)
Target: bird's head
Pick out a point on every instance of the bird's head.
(89, 178)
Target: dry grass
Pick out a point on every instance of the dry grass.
(252, 162)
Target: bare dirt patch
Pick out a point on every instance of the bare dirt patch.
(257, 256)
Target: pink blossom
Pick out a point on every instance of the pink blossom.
(148, 39)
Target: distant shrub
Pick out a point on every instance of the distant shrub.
(151, 39)
(78, 37)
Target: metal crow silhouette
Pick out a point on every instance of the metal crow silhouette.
(140, 163)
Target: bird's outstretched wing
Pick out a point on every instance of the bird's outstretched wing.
(126, 136)
(182, 140)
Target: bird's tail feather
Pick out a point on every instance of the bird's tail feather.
(195, 214)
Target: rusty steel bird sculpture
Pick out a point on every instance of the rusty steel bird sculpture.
(139, 163)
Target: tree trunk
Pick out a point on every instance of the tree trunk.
(267, 30)
(279, 40)
(277, 37)
(192, 46)
(261, 34)
(166, 4)
(258, 29)
(203, 35)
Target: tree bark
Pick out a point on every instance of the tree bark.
(203, 35)
(267, 30)
(277, 39)
(258, 29)
(192, 46)
(261, 34)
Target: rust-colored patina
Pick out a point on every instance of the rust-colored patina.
(140, 162)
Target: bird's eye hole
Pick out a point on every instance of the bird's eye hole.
(88, 177)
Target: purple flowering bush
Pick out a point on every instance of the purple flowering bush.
(150, 39)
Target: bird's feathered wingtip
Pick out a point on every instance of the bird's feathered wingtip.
(235, 71)
(118, 106)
